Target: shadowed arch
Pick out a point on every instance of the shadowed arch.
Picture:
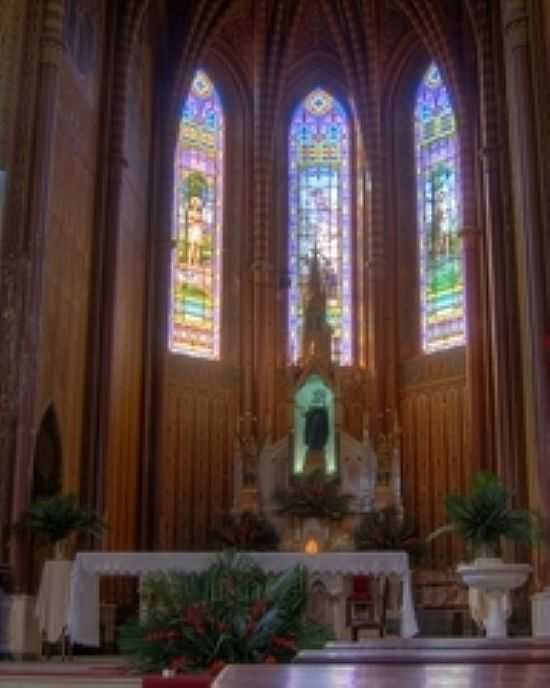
(48, 456)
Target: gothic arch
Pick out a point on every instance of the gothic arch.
(230, 85)
(48, 456)
(311, 71)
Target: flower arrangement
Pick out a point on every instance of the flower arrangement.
(485, 516)
(232, 612)
(246, 532)
(314, 496)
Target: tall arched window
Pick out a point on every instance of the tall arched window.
(320, 216)
(194, 322)
(438, 198)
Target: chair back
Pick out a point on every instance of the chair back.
(361, 588)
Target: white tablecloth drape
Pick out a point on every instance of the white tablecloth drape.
(89, 566)
(53, 600)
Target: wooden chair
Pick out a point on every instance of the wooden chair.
(365, 610)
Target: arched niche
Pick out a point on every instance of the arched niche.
(314, 417)
(48, 456)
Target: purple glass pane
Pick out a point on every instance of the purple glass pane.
(438, 198)
(320, 216)
(194, 322)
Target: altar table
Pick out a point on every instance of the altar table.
(330, 567)
(53, 600)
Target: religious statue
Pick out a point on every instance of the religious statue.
(194, 230)
(196, 186)
(316, 431)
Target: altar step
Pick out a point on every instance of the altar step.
(534, 643)
(432, 651)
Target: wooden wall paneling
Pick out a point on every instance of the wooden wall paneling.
(178, 469)
(202, 457)
(408, 456)
(173, 453)
(422, 423)
(438, 451)
(454, 423)
(218, 460)
(185, 467)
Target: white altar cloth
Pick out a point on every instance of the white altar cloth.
(89, 566)
(53, 600)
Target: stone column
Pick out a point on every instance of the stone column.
(34, 250)
(529, 247)
(107, 237)
(506, 397)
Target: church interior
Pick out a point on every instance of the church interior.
(278, 269)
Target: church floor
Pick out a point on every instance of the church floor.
(111, 672)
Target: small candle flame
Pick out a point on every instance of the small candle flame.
(312, 546)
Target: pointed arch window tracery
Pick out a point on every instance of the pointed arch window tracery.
(197, 227)
(319, 201)
(438, 208)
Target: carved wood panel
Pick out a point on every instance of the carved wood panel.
(433, 418)
(194, 482)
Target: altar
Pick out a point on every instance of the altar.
(332, 568)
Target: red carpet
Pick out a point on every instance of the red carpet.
(70, 669)
(103, 671)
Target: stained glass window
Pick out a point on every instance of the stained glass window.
(320, 217)
(194, 323)
(438, 199)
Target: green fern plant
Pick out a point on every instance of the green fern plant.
(387, 529)
(485, 516)
(54, 519)
(313, 496)
(245, 532)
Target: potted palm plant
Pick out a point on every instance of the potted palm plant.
(53, 520)
(483, 518)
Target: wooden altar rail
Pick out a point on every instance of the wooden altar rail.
(387, 676)
(445, 655)
(524, 642)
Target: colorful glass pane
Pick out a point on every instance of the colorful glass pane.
(438, 197)
(320, 217)
(194, 323)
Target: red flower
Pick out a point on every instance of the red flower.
(178, 663)
(258, 609)
(194, 617)
(216, 666)
(285, 642)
